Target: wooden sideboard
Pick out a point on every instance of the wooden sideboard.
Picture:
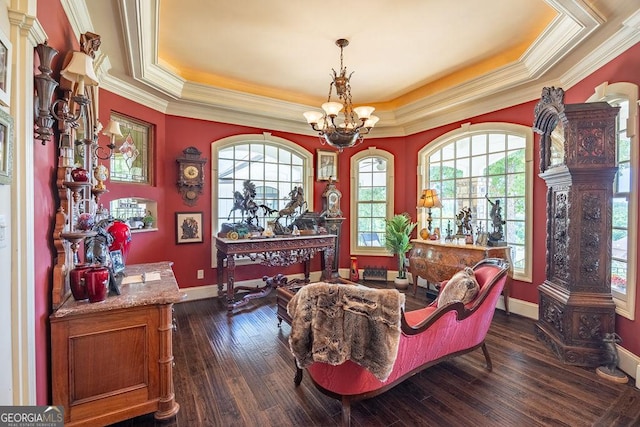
(113, 360)
(436, 261)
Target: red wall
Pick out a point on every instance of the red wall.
(622, 69)
(173, 134)
(54, 20)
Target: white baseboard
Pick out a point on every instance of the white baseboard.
(211, 291)
(629, 364)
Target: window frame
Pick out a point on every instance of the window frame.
(353, 202)
(468, 130)
(264, 138)
(629, 92)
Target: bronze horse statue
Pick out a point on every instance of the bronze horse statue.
(295, 203)
(245, 203)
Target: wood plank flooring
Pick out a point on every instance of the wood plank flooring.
(238, 371)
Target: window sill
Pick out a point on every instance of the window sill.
(143, 230)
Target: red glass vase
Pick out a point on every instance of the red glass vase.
(80, 175)
(96, 280)
(77, 282)
(121, 234)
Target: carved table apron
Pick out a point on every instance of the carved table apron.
(272, 252)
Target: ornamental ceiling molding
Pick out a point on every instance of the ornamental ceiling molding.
(157, 86)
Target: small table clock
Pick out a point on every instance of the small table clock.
(331, 200)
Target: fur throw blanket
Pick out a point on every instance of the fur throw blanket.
(333, 323)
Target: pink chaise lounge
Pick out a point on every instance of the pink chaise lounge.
(428, 336)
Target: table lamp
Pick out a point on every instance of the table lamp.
(429, 199)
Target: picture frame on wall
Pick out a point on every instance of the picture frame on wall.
(6, 147)
(5, 70)
(189, 227)
(326, 165)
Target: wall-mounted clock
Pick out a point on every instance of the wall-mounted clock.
(191, 175)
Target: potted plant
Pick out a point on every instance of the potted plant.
(397, 234)
(148, 220)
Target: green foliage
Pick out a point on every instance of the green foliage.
(397, 235)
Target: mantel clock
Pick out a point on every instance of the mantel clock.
(191, 175)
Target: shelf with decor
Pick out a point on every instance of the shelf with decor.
(89, 268)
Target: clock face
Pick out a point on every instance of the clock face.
(333, 200)
(191, 172)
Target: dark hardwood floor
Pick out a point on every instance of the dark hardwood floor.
(238, 371)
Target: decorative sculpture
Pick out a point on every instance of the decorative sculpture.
(611, 371)
(496, 237)
(463, 221)
(245, 203)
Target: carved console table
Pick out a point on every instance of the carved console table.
(272, 252)
(435, 261)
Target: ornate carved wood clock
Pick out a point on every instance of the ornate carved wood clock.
(577, 161)
(191, 175)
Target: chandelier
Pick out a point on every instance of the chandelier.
(341, 125)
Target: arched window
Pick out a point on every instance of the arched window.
(371, 200)
(625, 194)
(476, 167)
(274, 165)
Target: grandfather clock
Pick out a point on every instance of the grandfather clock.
(577, 161)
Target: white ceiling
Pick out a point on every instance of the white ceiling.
(422, 63)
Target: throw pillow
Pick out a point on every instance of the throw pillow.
(462, 287)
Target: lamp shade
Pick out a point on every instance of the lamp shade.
(429, 199)
(371, 121)
(113, 129)
(332, 108)
(364, 112)
(313, 116)
(80, 70)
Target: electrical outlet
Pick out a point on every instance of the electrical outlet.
(200, 274)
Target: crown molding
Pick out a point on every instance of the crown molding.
(156, 86)
(623, 39)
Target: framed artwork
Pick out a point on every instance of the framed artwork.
(189, 227)
(5, 69)
(117, 261)
(132, 159)
(327, 165)
(6, 147)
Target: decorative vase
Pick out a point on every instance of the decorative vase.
(121, 234)
(355, 275)
(101, 173)
(77, 282)
(96, 280)
(86, 221)
(436, 234)
(401, 283)
(80, 175)
(424, 234)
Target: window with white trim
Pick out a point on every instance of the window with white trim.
(476, 167)
(371, 200)
(625, 194)
(273, 165)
